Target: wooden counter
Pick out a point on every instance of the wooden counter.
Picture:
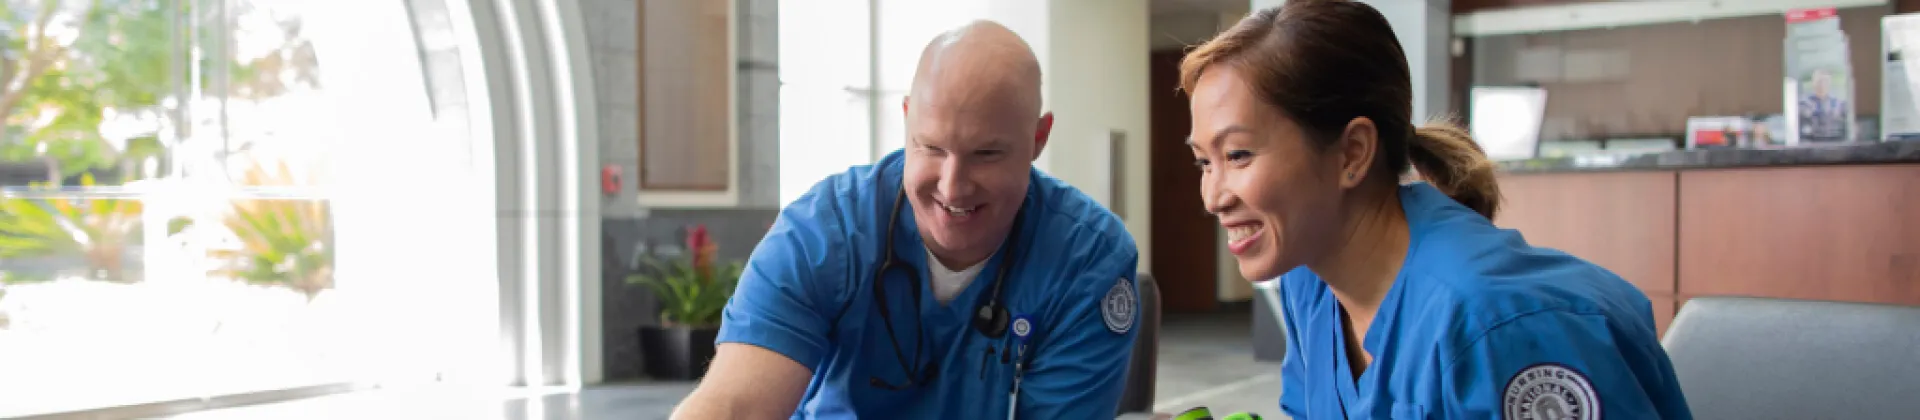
(1839, 232)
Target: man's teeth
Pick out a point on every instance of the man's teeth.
(1236, 233)
(959, 211)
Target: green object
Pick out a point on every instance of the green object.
(693, 291)
(1202, 413)
(98, 229)
(282, 242)
(1196, 413)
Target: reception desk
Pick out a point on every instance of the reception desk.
(1839, 223)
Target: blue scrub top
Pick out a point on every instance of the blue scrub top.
(807, 294)
(1479, 324)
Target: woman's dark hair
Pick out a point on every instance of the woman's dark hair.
(1324, 63)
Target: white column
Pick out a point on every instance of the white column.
(1425, 31)
(1033, 21)
(1094, 56)
(537, 79)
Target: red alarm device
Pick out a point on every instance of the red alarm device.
(610, 180)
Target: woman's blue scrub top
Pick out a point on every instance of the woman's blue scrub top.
(1479, 325)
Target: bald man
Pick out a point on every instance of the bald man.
(950, 280)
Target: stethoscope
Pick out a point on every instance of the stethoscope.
(990, 318)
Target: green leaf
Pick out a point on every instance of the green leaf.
(684, 294)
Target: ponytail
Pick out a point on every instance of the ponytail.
(1447, 157)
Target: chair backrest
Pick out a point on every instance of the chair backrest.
(1144, 366)
(1750, 358)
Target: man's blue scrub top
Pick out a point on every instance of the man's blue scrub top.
(807, 294)
(1479, 325)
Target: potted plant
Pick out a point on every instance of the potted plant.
(692, 292)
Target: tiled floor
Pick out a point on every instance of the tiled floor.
(1204, 360)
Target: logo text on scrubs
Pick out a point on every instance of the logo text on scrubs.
(1117, 308)
(1550, 391)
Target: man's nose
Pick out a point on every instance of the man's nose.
(956, 181)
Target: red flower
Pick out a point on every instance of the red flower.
(702, 248)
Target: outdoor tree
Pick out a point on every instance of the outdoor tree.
(91, 86)
(69, 66)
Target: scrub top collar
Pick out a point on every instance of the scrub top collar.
(910, 247)
(1416, 209)
(1416, 205)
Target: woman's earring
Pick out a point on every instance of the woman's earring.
(1349, 176)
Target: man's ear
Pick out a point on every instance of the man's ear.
(904, 100)
(1040, 134)
(1358, 143)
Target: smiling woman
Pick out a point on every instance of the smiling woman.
(1399, 300)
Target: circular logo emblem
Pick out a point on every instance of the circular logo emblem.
(1022, 327)
(1550, 391)
(1117, 308)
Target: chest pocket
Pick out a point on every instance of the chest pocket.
(1404, 411)
(983, 370)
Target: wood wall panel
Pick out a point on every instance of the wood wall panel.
(1847, 233)
(1659, 75)
(686, 95)
(1663, 309)
(1622, 221)
(1468, 6)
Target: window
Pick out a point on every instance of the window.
(172, 225)
(826, 118)
(829, 117)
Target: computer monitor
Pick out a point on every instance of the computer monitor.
(1506, 120)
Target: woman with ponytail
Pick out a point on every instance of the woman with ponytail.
(1400, 300)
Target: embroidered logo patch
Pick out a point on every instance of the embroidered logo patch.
(1550, 391)
(1118, 307)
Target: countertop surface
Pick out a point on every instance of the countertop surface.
(1851, 154)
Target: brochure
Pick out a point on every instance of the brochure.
(1819, 79)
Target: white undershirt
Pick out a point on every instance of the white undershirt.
(947, 284)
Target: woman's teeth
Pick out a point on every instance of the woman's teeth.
(959, 211)
(1236, 233)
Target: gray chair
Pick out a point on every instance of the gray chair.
(1138, 397)
(1752, 358)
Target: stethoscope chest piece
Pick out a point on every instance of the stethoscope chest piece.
(991, 320)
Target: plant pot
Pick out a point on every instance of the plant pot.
(676, 352)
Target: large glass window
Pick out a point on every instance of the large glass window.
(171, 219)
(829, 64)
(826, 120)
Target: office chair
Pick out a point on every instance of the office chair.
(1751, 358)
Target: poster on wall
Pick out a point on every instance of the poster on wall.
(1899, 113)
(1819, 81)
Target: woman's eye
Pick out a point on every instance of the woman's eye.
(1239, 155)
(1200, 163)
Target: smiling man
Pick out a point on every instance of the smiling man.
(949, 280)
